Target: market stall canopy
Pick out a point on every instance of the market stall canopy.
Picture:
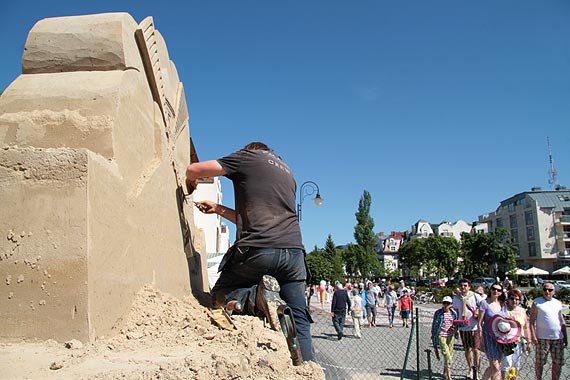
(520, 272)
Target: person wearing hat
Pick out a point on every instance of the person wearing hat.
(511, 364)
(442, 334)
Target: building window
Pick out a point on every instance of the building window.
(528, 218)
(499, 222)
(514, 236)
(511, 207)
(516, 250)
(524, 203)
(529, 233)
(531, 249)
(513, 221)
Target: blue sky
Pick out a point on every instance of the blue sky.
(440, 109)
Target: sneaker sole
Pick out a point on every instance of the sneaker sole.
(268, 300)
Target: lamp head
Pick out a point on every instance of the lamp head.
(318, 200)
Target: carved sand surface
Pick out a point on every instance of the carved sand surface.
(94, 142)
(162, 337)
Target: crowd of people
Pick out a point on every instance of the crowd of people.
(361, 300)
(493, 323)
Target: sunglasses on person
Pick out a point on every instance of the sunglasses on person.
(514, 299)
(496, 289)
(548, 289)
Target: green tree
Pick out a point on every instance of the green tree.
(413, 254)
(481, 252)
(349, 258)
(475, 254)
(435, 254)
(503, 249)
(320, 266)
(335, 257)
(444, 253)
(365, 249)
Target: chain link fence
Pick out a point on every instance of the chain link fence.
(396, 353)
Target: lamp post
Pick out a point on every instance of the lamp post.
(306, 189)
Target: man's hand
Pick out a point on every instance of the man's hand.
(207, 207)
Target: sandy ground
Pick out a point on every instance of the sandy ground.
(162, 338)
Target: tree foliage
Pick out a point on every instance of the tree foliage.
(413, 254)
(365, 249)
(481, 252)
(444, 254)
(326, 264)
(436, 254)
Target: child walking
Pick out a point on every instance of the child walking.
(405, 306)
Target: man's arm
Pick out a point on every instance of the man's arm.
(563, 328)
(209, 207)
(533, 314)
(197, 170)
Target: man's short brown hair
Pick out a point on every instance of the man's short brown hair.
(256, 145)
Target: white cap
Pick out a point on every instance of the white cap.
(447, 299)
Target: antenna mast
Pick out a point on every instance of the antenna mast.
(551, 171)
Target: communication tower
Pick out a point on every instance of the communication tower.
(551, 171)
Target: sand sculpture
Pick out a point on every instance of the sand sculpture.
(94, 141)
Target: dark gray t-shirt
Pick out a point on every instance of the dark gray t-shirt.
(264, 190)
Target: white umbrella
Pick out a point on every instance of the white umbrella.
(563, 270)
(520, 272)
(534, 271)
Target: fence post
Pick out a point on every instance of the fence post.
(416, 318)
(410, 339)
(428, 351)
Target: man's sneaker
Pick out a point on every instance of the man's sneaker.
(267, 300)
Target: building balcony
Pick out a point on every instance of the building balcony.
(563, 236)
(564, 255)
(564, 219)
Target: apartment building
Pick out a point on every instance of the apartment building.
(539, 225)
(423, 229)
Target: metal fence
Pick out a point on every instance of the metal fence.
(396, 353)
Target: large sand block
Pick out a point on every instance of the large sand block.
(91, 170)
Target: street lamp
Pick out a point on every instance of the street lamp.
(306, 189)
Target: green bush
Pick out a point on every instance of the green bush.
(534, 293)
(563, 295)
(442, 292)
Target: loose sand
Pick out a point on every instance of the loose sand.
(162, 338)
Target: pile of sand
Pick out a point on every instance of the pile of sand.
(162, 338)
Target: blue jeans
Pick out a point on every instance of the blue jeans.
(244, 267)
(391, 310)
